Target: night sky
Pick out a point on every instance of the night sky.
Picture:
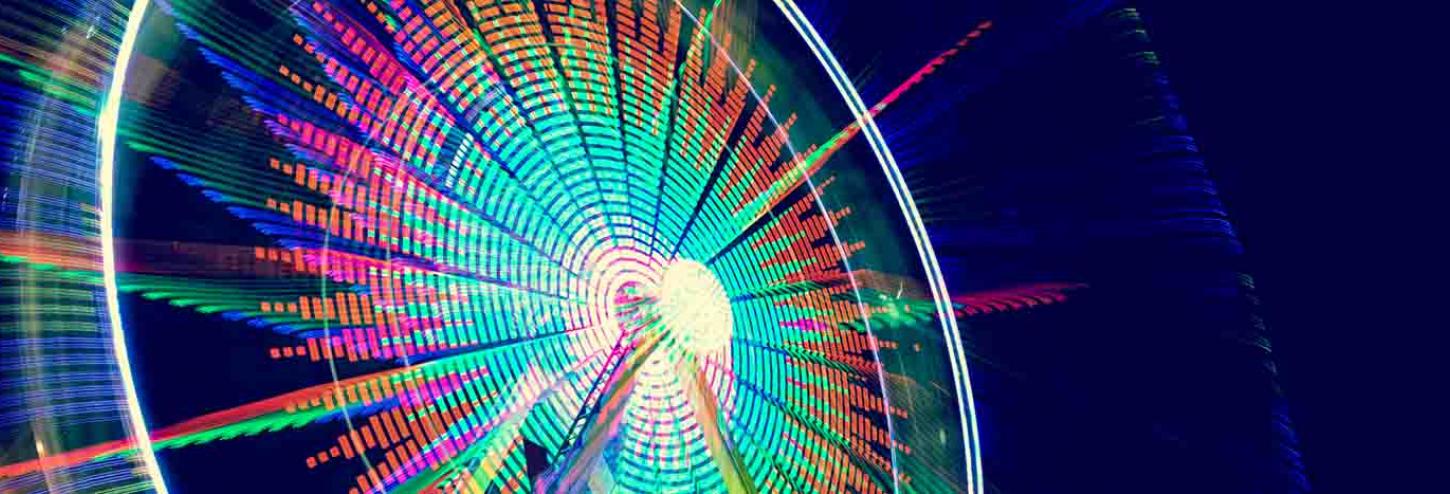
(1150, 380)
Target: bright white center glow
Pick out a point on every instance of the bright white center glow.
(694, 308)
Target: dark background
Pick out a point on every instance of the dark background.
(1315, 128)
(1319, 124)
(1319, 127)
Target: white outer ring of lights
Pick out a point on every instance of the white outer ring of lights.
(950, 332)
(106, 127)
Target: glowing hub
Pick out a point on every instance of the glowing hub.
(694, 308)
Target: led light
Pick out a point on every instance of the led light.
(580, 229)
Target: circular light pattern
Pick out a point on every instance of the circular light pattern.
(549, 245)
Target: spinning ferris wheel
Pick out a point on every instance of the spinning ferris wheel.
(475, 246)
